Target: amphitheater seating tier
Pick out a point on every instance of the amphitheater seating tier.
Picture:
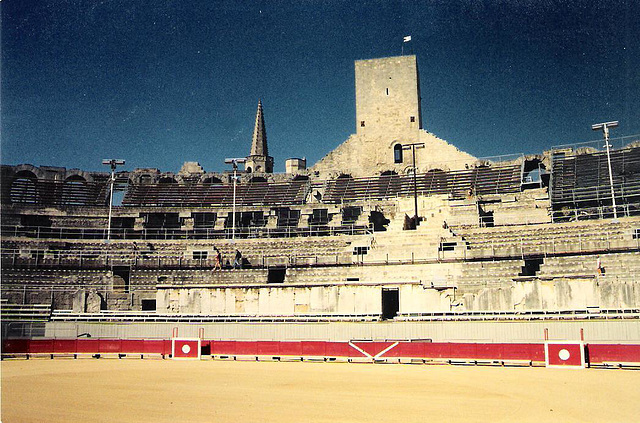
(583, 179)
(198, 195)
(457, 184)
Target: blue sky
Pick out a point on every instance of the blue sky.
(162, 82)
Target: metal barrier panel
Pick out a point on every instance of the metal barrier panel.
(110, 346)
(290, 348)
(442, 350)
(533, 352)
(87, 346)
(314, 348)
(132, 346)
(268, 348)
(246, 347)
(153, 346)
(340, 349)
(408, 350)
(223, 347)
(39, 346)
(65, 345)
(613, 353)
(564, 354)
(186, 348)
(15, 346)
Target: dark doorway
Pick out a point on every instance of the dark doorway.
(390, 303)
(276, 274)
(148, 305)
(121, 278)
(531, 267)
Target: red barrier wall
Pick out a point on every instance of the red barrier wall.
(595, 353)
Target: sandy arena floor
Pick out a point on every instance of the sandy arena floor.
(224, 391)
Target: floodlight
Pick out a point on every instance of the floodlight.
(236, 160)
(599, 126)
(118, 162)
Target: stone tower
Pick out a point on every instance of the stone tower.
(259, 159)
(388, 118)
(388, 96)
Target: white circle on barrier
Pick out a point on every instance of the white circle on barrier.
(186, 348)
(564, 354)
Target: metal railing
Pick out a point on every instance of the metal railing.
(40, 232)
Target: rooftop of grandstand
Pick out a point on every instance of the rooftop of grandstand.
(26, 189)
(199, 194)
(458, 184)
(584, 178)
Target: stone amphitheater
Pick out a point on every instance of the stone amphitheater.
(395, 246)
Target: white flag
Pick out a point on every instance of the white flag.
(407, 39)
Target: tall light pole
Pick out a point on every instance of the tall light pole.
(605, 130)
(113, 163)
(234, 163)
(413, 147)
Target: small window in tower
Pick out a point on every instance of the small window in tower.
(397, 153)
(387, 91)
(362, 123)
(413, 118)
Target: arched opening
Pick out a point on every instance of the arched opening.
(257, 179)
(23, 188)
(212, 180)
(534, 174)
(75, 191)
(345, 176)
(389, 173)
(167, 180)
(145, 179)
(301, 178)
(397, 153)
(248, 169)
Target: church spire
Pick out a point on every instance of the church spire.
(259, 144)
(259, 159)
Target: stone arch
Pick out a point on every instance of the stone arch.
(167, 180)
(211, 180)
(24, 187)
(74, 190)
(74, 173)
(145, 179)
(40, 174)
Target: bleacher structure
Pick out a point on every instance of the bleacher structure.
(502, 255)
